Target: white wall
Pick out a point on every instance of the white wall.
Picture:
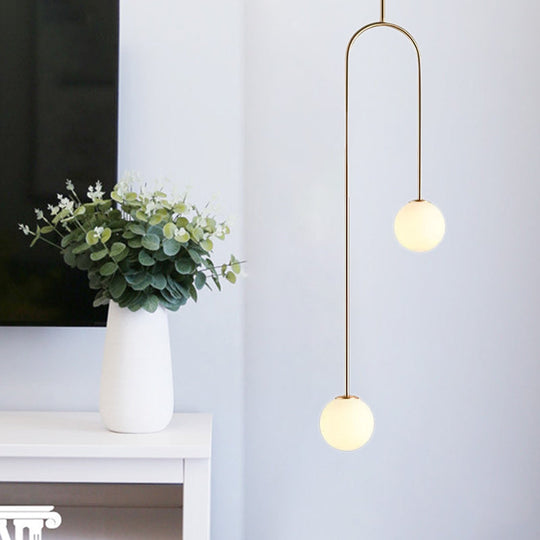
(180, 117)
(445, 345)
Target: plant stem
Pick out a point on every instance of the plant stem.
(54, 227)
(219, 267)
(49, 242)
(226, 264)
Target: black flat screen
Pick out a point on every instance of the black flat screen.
(58, 120)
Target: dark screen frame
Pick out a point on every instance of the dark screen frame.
(72, 290)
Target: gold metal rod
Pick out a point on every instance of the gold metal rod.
(347, 185)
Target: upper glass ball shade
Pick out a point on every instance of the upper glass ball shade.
(346, 423)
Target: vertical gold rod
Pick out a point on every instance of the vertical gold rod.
(347, 235)
(347, 186)
(347, 265)
(419, 124)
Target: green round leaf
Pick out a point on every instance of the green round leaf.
(155, 219)
(135, 243)
(117, 248)
(81, 248)
(106, 235)
(136, 228)
(108, 268)
(151, 242)
(168, 230)
(207, 245)
(195, 255)
(184, 266)
(69, 258)
(134, 278)
(159, 281)
(235, 266)
(101, 299)
(92, 238)
(151, 303)
(123, 254)
(200, 280)
(118, 286)
(176, 288)
(66, 240)
(146, 259)
(196, 234)
(94, 280)
(141, 216)
(98, 255)
(143, 284)
(83, 261)
(170, 247)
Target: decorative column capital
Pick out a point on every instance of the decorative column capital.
(32, 518)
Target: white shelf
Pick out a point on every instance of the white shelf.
(61, 435)
(76, 448)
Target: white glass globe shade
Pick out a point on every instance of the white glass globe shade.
(419, 226)
(346, 423)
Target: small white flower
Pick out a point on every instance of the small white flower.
(131, 178)
(122, 188)
(150, 208)
(69, 185)
(65, 204)
(181, 235)
(39, 213)
(98, 231)
(200, 221)
(95, 193)
(53, 209)
(222, 229)
(24, 228)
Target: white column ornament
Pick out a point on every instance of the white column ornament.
(30, 518)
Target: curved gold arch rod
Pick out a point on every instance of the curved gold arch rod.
(379, 24)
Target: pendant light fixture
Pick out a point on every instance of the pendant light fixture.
(347, 423)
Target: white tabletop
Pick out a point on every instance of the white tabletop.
(82, 435)
(72, 447)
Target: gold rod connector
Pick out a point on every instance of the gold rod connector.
(347, 187)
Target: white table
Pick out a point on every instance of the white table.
(76, 448)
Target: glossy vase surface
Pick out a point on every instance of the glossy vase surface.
(136, 392)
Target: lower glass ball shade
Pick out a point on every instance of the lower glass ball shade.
(346, 423)
(419, 226)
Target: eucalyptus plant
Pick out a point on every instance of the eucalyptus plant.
(140, 248)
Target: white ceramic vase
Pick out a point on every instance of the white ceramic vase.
(136, 394)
